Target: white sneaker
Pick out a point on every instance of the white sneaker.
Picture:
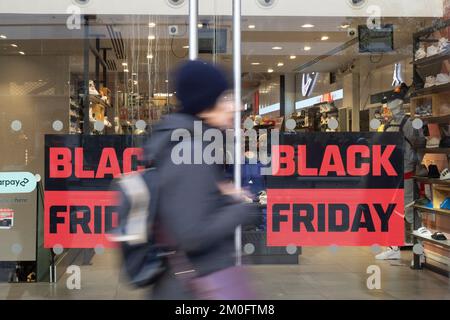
(430, 81)
(442, 78)
(423, 231)
(92, 90)
(420, 53)
(393, 253)
(432, 50)
(443, 44)
(433, 142)
(445, 174)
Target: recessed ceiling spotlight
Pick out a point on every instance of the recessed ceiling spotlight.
(345, 25)
(307, 48)
(325, 38)
(124, 64)
(13, 45)
(134, 74)
(166, 81)
(3, 36)
(308, 25)
(151, 37)
(22, 53)
(200, 25)
(256, 63)
(292, 57)
(149, 56)
(185, 47)
(251, 26)
(277, 48)
(152, 25)
(280, 64)
(125, 70)
(269, 70)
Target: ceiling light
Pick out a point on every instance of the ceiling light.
(292, 57)
(200, 25)
(125, 70)
(151, 37)
(308, 25)
(166, 81)
(256, 63)
(185, 47)
(22, 53)
(251, 26)
(269, 70)
(345, 25)
(134, 74)
(124, 64)
(149, 56)
(307, 48)
(325, 38)
(151, 25)
(135, 82)
(13, 45)
(280, 64)
(277, 48)
(3, 36)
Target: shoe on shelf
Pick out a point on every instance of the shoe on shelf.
(432, 50)
(439, 236)
(433, 142)
(424, 232)
(445, 174)
(393, 253)
(442, 78)
(445, 204)
(420, 53)
(92, 90)
(430, 81)
(443, 44)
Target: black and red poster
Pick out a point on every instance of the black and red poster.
(336, 189)
(80, 208)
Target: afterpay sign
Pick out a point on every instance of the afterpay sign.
(17, 182)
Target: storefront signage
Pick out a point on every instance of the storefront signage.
(334, 96)
(80, 208)
(308, 82)
(336, 189)
(17, 182)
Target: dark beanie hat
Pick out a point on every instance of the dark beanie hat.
(198, 85)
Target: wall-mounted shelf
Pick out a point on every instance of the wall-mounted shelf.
(433, 210)
(444, 243)
(433, 181)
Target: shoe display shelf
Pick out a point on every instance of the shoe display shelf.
(440, 119)
(434, 219)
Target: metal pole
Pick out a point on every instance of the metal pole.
(237, 114)
(193, 33)
(86, 44)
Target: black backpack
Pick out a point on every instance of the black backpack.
(143, 259)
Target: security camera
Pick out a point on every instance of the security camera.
(266, 3)
(352, 32)
(357, 3)
(176, 3)
(173, 30)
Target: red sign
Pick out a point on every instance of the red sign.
(80, 208)
(336, 189)
(322, 217)
(79, 219)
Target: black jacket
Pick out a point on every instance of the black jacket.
(192, 211)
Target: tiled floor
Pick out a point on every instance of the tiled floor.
(321, 274)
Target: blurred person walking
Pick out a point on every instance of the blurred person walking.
(197, 210)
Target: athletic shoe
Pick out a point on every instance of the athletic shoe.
(92, 90)
(445, 174)
(430, 81)
(445, 204)
(424, 232)
(420, 53)
(439, 236)
(432, 50)
(442, 78)
(433, 142)
(443, 44)
(393, 253)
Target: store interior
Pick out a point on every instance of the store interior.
(328, 74)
